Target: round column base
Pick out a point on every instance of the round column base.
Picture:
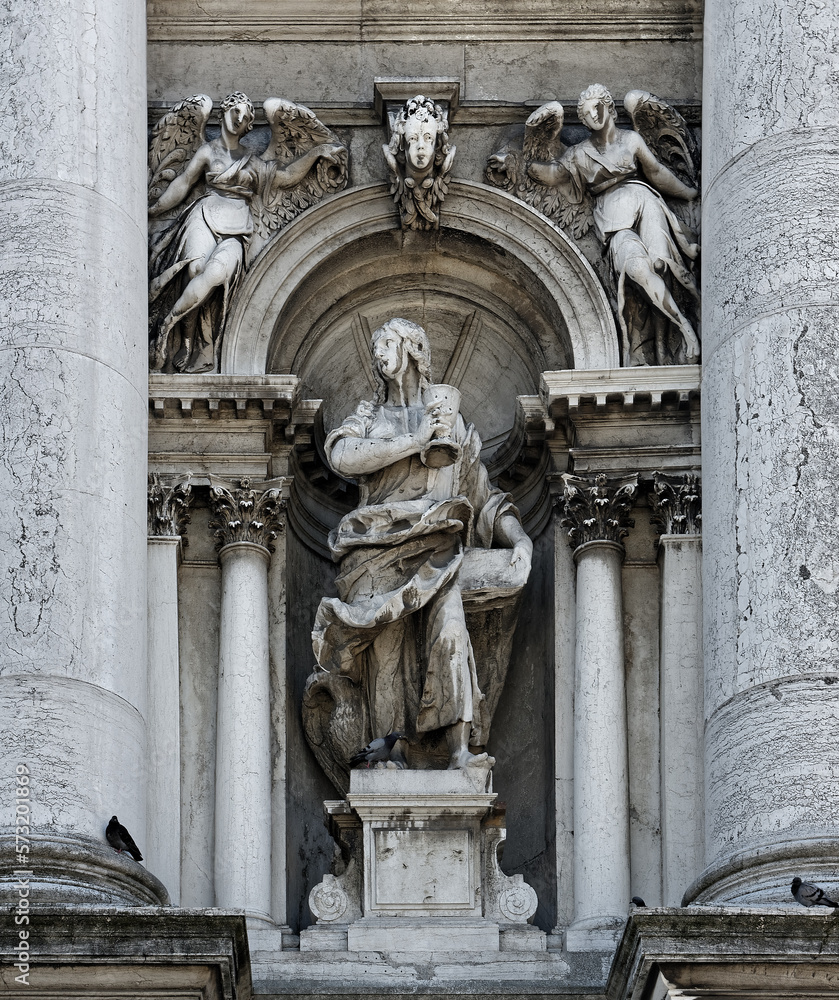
(76, 871)
(762, 876)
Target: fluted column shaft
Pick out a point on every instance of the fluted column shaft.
(596, 513)
(167, 519)
(73, 408)
(769, 432)
(676, 505)
(247, 522)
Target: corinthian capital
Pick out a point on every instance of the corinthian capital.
(597, 508)
(677, 504)
(168, 510)
(246, 514)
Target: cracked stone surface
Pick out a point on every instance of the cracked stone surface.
(770, 433)
(73, 405)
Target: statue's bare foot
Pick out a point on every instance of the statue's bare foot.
(464, 759)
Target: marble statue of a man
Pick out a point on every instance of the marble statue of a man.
(397, 629)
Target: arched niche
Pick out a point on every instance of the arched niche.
(502, 293)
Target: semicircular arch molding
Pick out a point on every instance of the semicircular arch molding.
(494, 255)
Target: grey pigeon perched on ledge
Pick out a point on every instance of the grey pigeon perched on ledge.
(121, 840)
(810, 895)
(376, 750)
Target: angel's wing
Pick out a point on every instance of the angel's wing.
(672, 143)
(541, 133)
(666, 133)
(175, 140)
(294, 131)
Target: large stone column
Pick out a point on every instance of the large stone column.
(247, 522)
(596, 514)
(168, 517)
(769, 444)
(676, 504)
(73, 411)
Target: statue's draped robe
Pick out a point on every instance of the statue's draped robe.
(397, 627)
(632, 220)
(223, 211)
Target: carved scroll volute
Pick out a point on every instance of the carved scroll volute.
(246, 514)
(597, 509)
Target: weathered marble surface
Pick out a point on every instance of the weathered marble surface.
(769, 440)
(74, 404)
(394, 649)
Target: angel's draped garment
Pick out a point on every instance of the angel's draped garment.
(397, 626)
(630, 217)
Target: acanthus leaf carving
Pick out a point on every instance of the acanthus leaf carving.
(246, 514)
(597, 508)
(213, 206)
(677, 504)
(168, 507)
(419, 159)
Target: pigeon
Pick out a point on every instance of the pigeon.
(376, 750)
(121, 840)
(638, 901)
(810, 895)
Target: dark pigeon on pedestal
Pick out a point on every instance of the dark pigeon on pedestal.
(121, 840)
(377, 750)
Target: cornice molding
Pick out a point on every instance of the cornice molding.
(437, 20)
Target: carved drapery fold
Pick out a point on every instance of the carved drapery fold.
(168, 507)
(677, 504)
(246, 514)
(597, 508)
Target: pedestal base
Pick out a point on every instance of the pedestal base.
(418, 934)
(423, 872)
(597, 934)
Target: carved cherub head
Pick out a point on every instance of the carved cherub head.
(237, 113)
(396, 344)
(420, 136)
(594, 105)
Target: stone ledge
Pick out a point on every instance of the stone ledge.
(150, 951)
(718, 951)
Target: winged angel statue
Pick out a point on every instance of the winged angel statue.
(638, 189)
(214, 204)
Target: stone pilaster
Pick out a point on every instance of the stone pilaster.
(73, 406)
(770, 245)
(168, 515)
(596, 516)
(246, 523)
(677, 512)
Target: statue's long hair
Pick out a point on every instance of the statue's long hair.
(414, 342)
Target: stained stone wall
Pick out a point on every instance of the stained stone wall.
(506, 59)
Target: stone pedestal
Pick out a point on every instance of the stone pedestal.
(421, 869)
